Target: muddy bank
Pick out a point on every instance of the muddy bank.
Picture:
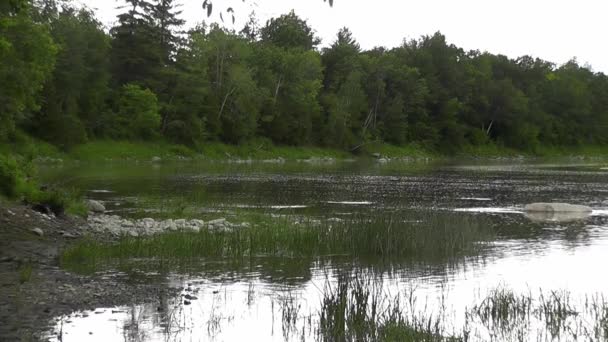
(33, 287)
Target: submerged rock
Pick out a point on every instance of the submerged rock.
(557, 207)
(556, 216)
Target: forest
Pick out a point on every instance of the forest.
(66, 80)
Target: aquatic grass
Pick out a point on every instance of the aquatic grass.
(355, 308)
(391, 236)
(545, 316)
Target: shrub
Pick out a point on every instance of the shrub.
(12, 177)
(138, 112)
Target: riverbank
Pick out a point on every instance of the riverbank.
(34, 289)
(263, 149)
(100, 151)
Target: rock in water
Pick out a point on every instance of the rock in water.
(95, 206)
(557, 208)
(556, 212)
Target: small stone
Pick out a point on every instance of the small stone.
(7, 259)
(218, 222)
(95, 206)
(190, 297)
(156, 159)
(198, 223)
(169, 225)
(68, 235)
(148, 222)
(187, 302)
(181, 223)
(37, 231)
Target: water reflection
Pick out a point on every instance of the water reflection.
(277, 299)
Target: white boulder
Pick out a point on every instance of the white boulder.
(95, 206)
(557, 207)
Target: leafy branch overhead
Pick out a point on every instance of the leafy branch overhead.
(208, 6)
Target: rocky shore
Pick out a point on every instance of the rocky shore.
(34, 289)
(117, 226)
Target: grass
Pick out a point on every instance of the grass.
(553, 315)
(25, 273)
(354, 308)
(392, 151)
(262, 149)
(489, 150)
(104, 150)
(29, 148)
(388, 237)
(580, 151)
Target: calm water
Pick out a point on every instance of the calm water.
(251, 302)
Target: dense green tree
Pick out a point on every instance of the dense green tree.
(65, 80)
(27, 57)
(290, 81)
(289, 31)
(344, 99)
(137, 115)
(76, 94)
(137, 54)
(234, 107)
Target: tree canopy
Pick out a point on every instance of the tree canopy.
(65, 80)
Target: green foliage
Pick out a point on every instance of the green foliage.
(104, 150)
(12, 177)
(138, 116)
(27, 55)
(17, 183)
(69, 82)
(76, 93)
(290, 32)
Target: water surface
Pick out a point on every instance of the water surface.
(256, 300)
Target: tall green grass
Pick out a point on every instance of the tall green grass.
(388, 237)
(356, 309)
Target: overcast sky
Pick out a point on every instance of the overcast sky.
(554, 30)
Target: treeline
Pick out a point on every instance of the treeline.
(65, 80)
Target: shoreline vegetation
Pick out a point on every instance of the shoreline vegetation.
(262, 149)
